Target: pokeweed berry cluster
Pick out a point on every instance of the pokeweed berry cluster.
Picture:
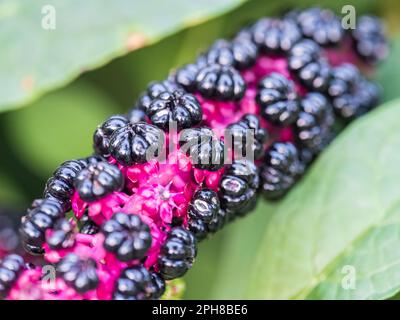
(151, 190)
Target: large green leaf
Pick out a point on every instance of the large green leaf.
(87, 35)
(344, 217)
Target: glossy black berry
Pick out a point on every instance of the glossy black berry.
(102, 135)
(238, 186)
(278, 99)
(61, 236)
(98, 180)
(280, 170)
(154, 89)
(307, 63)
(179, 107)
(157, 286)
(42, 216)
(275, 35)
(204, 148)
(186, 75)
(203, 209)
(352, 95)
(79, 273)
(134, 283)
(177, 253)
(370, 39)
(248, 136)
(220, 82)
(10, 268)
(204, 205)
(127, 236)
(240, 53)
(313, 128)
(321, 25)
(136, 143)
(60, 185)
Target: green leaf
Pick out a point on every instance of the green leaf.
(388, 73)
(57, 127)
(87, 34)
(342, 220)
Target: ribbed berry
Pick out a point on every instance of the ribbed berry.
(177, 253)
(241, 53)
(220, 82)
(10, 268)
(61, 236)
(370, 40)
(42, 216)
(238, 186)
(203, 208)
(278, 99)
(281, 169)
(136, 143)
(102, 135)
(98, 180)
(156, 287)
(306, 62)
(134, 283)
(247, 135)
(177, 106)
(60, 185)
(204, 148)
(352, 95)
(186, 75)
(314, 125)
(127, 236)
(321, 25)
(275, 35)
(78, 272)
(153, 90)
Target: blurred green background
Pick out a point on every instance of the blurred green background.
(56, 123)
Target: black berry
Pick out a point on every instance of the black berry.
(204, 148)
(320, 25)
(134, 283)
(370, 40)
(42, 216)
(10, 268)
(281, 169)
(79, 273)
(87, 226)
(136, 115)
(156, 287)
(177, 254)
(313, 127)
(127, 236)
(241, 53)
(220, 82)
(278, 99)
(136, 143)
(102, 135)
(238, 186)
(179, 107)
(98, 180)
(60, 185)
(62, 235)
(275, 35)
(307, 63)
(352, 95)
(248, 134)
(154, 89)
